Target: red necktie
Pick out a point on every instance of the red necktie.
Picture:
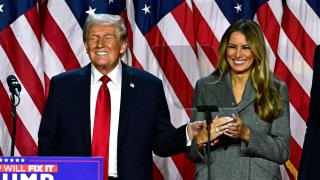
(101, 130)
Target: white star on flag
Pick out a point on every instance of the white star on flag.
(110, 1)
(1, 7)
(91, 11)
(238, 7)
(146, 9)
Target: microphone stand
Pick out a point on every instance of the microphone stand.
(14, 128)
(208, 110)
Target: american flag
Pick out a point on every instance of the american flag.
(176, 40)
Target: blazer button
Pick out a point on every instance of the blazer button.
(225, 147)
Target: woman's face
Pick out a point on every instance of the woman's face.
(239, 54)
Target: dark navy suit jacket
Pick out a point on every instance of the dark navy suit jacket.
(310, 161)
(144, 122)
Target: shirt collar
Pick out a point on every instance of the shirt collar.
(115, 75)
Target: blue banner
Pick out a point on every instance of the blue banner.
(51, 168)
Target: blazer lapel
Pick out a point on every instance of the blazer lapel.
(222, 92)
(248, 96)
(128, 90)
(82, 90)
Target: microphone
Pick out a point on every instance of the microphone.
(14, 85)
(15, 88)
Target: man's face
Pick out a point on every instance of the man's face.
(104, 46)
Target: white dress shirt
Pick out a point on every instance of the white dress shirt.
(115, 96)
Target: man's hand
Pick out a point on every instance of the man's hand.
(194, 128)
(218, 127)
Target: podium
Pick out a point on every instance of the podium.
(51, 168)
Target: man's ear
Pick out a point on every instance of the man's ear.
(123, 47)
(86, 45)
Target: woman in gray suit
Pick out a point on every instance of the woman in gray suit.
(258, 141)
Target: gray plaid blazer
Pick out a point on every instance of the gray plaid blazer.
(269, 144)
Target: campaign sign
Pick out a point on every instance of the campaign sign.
(51, 168)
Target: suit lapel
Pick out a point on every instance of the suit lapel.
(82, 90)
(128, 90)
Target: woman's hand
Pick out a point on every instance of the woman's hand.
(218, 126)
(238, 130)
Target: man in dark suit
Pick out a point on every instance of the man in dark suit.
(310, 160)
(140, 120)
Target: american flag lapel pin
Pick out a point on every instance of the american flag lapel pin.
(132, 85)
